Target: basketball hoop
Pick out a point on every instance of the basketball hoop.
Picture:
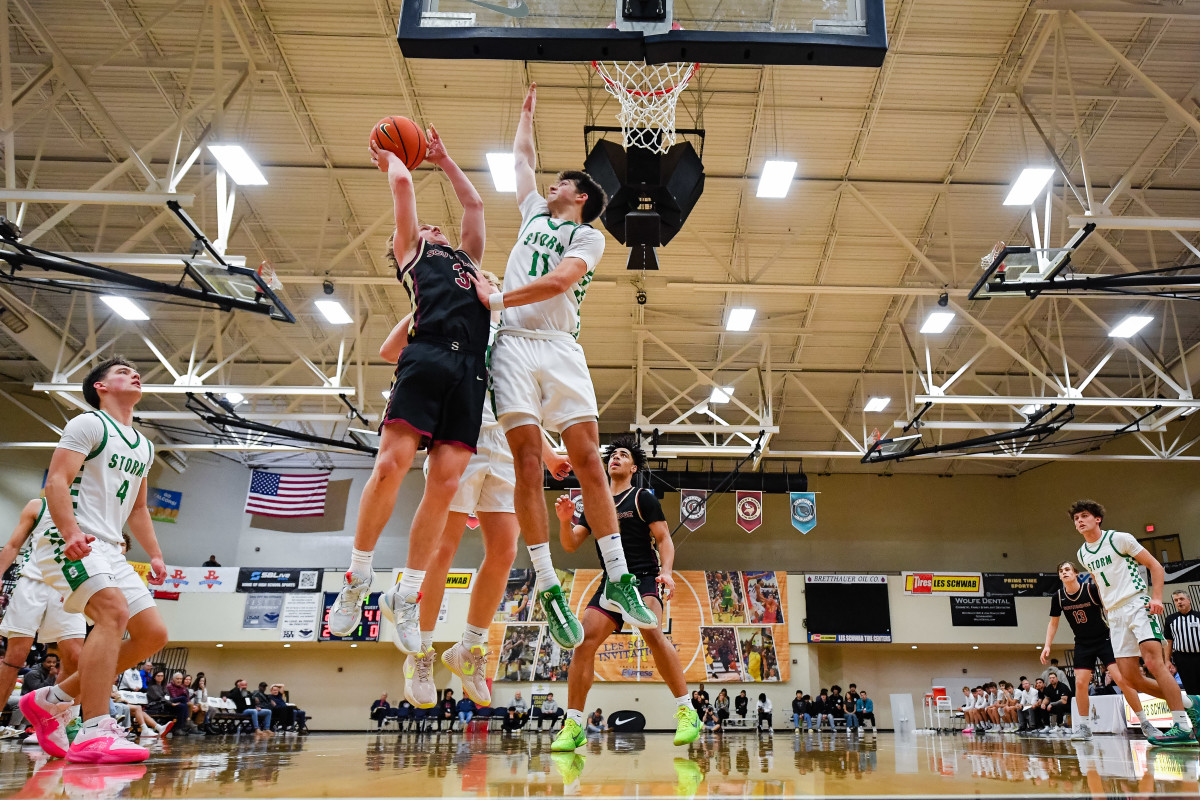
(647, 94)
(987, 260)
(266, 271)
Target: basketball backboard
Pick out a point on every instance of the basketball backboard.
(791, 32)
(1008, 267)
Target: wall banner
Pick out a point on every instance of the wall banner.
(983, 612)
(961, 584)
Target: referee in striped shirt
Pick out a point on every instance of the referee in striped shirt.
(1183, 642)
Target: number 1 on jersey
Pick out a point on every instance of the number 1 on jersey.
(1106, 583)
(533, 268)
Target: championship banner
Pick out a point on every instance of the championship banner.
(299, 620)
(164, 504)
(963, 584)
(693, 508)
(749, 510)
(987, 612)
(804, 511)
(1020, 584)
(740, 639)
(278, 579)
(577, 499)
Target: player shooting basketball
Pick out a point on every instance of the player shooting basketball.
(540, 376)
(648, 549)
(437, 397)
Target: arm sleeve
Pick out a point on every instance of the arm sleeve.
(588, 244)
(83, 434)
(533, 205)
(1125, 544)
(1055, 606)
(651, 509)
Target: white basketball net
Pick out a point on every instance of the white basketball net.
(647, 93)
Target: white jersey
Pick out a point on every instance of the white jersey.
(542, 244)
(117, 460)
(26, 564)
(1112, 563)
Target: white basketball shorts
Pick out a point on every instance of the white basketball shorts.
(541, 378)
(35, 609)
(1130, 624)
(488, 482)
(77, 581)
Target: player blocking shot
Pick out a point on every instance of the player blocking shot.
(437, 397)
(486, 490)
(1079, 600)
(540, 377)
(650, 554)
(1112, 557)
(96, 485)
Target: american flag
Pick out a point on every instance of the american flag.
(277, 494)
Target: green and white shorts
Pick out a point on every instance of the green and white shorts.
(77, 581)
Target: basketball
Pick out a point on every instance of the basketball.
(403, 137)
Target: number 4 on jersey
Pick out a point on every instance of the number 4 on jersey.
(124, 490)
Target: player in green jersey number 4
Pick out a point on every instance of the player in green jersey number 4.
(1113, 558)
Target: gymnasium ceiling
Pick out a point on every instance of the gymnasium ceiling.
(902, 171)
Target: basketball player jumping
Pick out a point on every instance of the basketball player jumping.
(437, 396)
(1112, 557)
(650, 553)
(34, 608)
(1080, 601)
(95, 485)
(540, 377)
(486, 490)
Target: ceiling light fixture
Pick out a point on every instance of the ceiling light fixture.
(721, 394)
(1129, 326)
(334, 312)
(238, 164)
(1028, 186)
(504, 171)
(125, 308)
(739, 319)
(776, 178)
(937, 321)
(875, 404)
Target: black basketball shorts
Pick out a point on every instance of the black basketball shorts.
(439, 393)
(1086, 654)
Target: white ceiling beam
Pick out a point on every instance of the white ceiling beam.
(253, 416)
(1144, 9)
(95, 198)
(1024, 400)
(167, 388)
(1123, 223)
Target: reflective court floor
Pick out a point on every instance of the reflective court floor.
(625, 765)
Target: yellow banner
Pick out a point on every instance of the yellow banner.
(142, 569)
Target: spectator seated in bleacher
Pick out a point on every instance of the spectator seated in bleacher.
(721, 706)
(158, 701)
(819, 710)
(1058, 700)
(177, 696)
(245, 705)
(285, 715)
(445, 710)
(763, 708)
(866, 710)
(521, 708)
(596, 723)
(513, 720)
(800, 713)
(198, 699)
(466, 710)
(549, 711)
(741, 704)
(380, 709)
(711, 722)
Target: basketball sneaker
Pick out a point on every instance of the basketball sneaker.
(105, 744)
(570, 737)
(1148, 729)
(470, 665)
(49, 720)
(1082, 733)
(346, 613)
(405, 614)
(564, 626)
(419, 688)
(1194, 712)
(1173, 737)
(688, 776)
(688, 725)
(622, 597)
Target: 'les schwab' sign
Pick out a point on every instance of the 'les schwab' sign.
(944, 584)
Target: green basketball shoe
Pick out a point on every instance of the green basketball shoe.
(570, 737)
(624, 598)
(688, 728)
(564, 626)
(1174, 737)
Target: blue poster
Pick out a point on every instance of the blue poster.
(164, 504)
(804, 511)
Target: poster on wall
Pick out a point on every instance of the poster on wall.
(368, 627)
(946, 584)
(278, 579)
(762, 598)
(1020, 584)
(262, 611)
(708, 639)
(518, 596)
(983, 612)
(164, 504)
(299, 620)
(458, 581)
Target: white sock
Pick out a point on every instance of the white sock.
(575, 716)
(1187, 700)
(1142, 717)
(543, 565)
(684, 701)
(613, 555)
(426, 641)
(410, 583)
(1180, 718)
(57, 695)
(94, 722)
(474, 635)
(360, 561)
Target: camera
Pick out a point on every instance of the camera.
(327, 286)
(641, 297)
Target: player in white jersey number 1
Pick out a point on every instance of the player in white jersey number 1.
(540, 377)
(1112, 558)
(96, 484)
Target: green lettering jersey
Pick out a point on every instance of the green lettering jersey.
(117, 460)
(1113, 564)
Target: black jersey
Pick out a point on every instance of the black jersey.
(637, 509)
(445, 306)
(1084, 611)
